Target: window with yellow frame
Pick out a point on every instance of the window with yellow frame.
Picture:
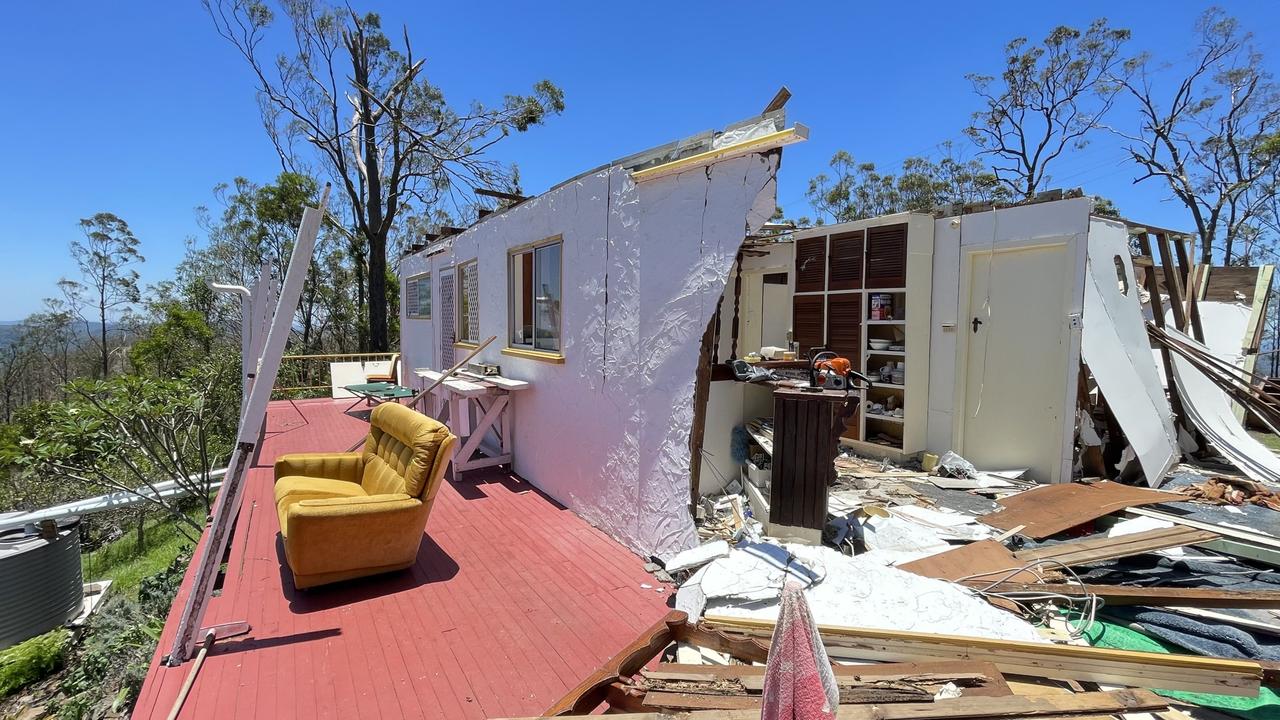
(534, 297)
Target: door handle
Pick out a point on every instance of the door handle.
(976, 323)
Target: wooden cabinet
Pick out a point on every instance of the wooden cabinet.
(863, 296)
(806, 438)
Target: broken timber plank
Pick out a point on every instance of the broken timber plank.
(1049, 509)
(1096, 549)
(1062, 662)
(1116, 595)
(595, 687)
(1013, 706)
(848, 695)
(977, 678)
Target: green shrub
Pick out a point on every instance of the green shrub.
(105, 674)
(31, 660)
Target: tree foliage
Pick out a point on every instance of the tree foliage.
(130, 432)
(344, 94)
(855, 190)
(1211, 135)
(1048, 99)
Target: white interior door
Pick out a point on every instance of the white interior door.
(1017, 349)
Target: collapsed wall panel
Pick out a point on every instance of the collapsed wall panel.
(1114, 345)
(1209, 409)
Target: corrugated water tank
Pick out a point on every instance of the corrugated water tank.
(40, 583)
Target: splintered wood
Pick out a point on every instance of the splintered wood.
(1189, 673)
(1013, 706)
(733, 687)
(1050, 509)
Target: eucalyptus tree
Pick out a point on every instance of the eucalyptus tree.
(108, 285)
(342, 94)
(1049, 99)
(1209, 130)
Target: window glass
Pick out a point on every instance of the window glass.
(417, 297)
(547, 297)
(522, 298)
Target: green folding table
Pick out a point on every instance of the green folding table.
(377, 393)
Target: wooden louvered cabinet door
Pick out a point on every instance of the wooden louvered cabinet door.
(844, 325)
(844, 262)
(808, 321)
(887, 256)
(811, 264)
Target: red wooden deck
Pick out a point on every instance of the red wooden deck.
(514, 599)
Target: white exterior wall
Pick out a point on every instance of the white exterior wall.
(1007, 228)
(606, 433)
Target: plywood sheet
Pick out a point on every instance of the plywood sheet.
(1050, 509)
(982, 560)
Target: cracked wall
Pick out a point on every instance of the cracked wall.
(606, 433)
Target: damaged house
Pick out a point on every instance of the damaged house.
(605, 369)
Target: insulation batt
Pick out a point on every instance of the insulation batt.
(860, 592)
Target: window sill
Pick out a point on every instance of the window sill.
(541, 355)
(465, 346)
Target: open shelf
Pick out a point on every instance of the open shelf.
(762, 435)
(891, 353)
(885, 418)
(886, 322)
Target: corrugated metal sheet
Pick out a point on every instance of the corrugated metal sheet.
(40, 583)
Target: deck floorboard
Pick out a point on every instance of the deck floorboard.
(512, 600)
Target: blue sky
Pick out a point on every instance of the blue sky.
(138, 108)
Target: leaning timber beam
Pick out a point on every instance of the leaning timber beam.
(1116, 595)
(971, 708)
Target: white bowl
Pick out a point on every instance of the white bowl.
(879, 344)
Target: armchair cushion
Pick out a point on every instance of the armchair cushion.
(296, 488)
(401, 451)
(337, 466)
(357, 534)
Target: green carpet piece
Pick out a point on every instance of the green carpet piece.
(1109, 635)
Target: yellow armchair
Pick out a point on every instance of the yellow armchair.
(347, 515)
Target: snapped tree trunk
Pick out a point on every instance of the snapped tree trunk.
(378, 338)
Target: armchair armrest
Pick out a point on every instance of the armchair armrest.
(340, 534)
(334, 466)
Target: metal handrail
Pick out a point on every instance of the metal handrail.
(310, 368)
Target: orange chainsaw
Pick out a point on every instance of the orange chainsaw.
(829, 371)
